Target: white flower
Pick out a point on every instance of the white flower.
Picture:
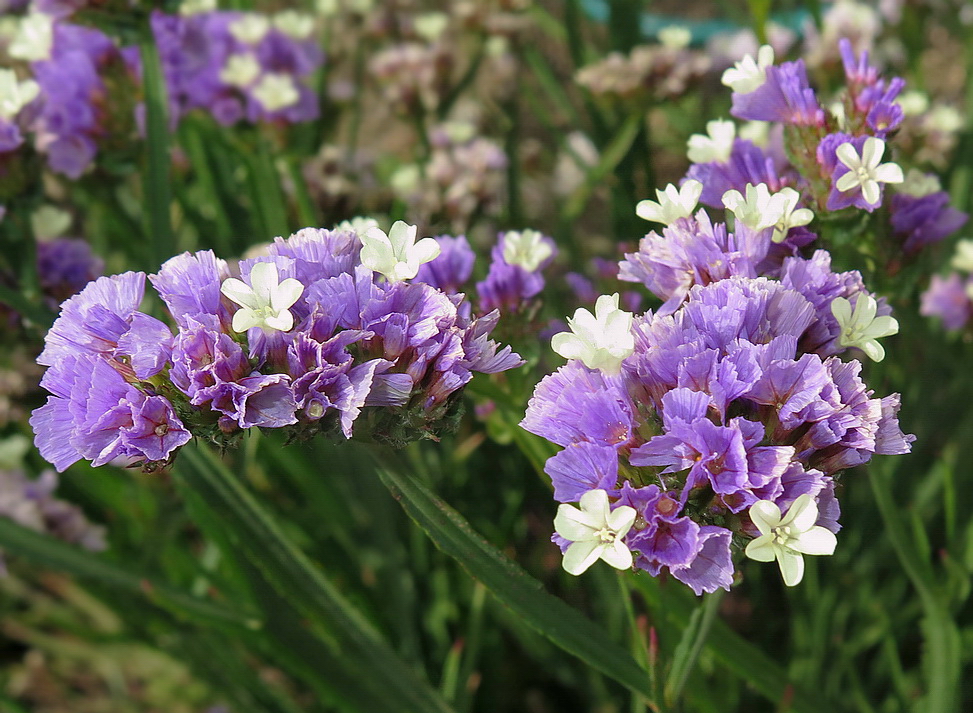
(265, 302)
(276, 91)
(792, 216)
(49, 222)
(602, 340)
(240, 70)
(918, 184)
(294, 24)
(757, 210)
(715, 145)
(866, 170)
(431, 25)
(196, 7)
(675, 37)
(748, 75)
(860, 327)
(787, 539)
(358, 225)
(595, 531)
(963, 257)
(34, 39)
(913, 103)
(250, 28)
(673, 204)
(756, 132)
(396, 255)
(943, 118)
(15, 95)
(527, 248)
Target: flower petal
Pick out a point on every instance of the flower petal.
(816, 541)
(239, 292)
(572, 524)
(791, 566)
(847, 154)
(802, 514)
(765, 515)
(617, 555)
(762, 549)
(621, 519)
(581, 555)
(286, 294)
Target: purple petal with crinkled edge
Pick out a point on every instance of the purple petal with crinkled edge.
(582, 467)
(713, 567)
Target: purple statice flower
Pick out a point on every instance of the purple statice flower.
(95, 414)
(692, 251)
(871, 98)
(843, 157)
(237, 65)
(922, 220)
(949, 299)
(785, 96)
(32, 504)
(74, 112)
(718, 408)
(65, 266)
(452, 268)
(515, 275)
(748, 164)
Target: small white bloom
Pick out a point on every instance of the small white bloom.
(837, 109)
(458, 132)
(265, 302)
(396, 255)
(240, 70)
(792, 216)
(49, 222)
(34, 39)
(866, 170)
(963, 257)
(943, 118)
(919, 184)
(526, 248)
(595, 531)
(276, 91)
(715, 145)
(673, 204)
(14, 94)
(431, 25)
(756, 132)
(196, 7)
(758, 209)
(913, 103)
(675, 37)
(860, 327)
(358, 225)
(406, 179)
(250, 28)
(748, 75)
(294, 24)
(602, 340)
(788, 538)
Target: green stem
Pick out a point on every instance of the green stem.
(155, 184)
(692, 646)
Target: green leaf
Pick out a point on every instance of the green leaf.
(155, 184)
(513, 587)
(295, 578)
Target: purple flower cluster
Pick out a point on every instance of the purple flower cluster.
(364, 357)
(31, 503)
(239, 65)
(951, 299)
(723, 403)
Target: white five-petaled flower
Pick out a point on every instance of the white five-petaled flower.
(240, 70)
(675, 37)
(673, 204)
(34, 38)
(918, 184)
(14, 94)
(358, 225)
(758, 209)
(748, 74)
(276, 91)
(792, 216)
(860, 327)
(526, 248)
(595, 531)
(265, 302)
(963, 257)
(715, 145)
(292, 23)
(250, 28)
(602, 340)
(788, 538)
(396, 255)
(866, 170)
